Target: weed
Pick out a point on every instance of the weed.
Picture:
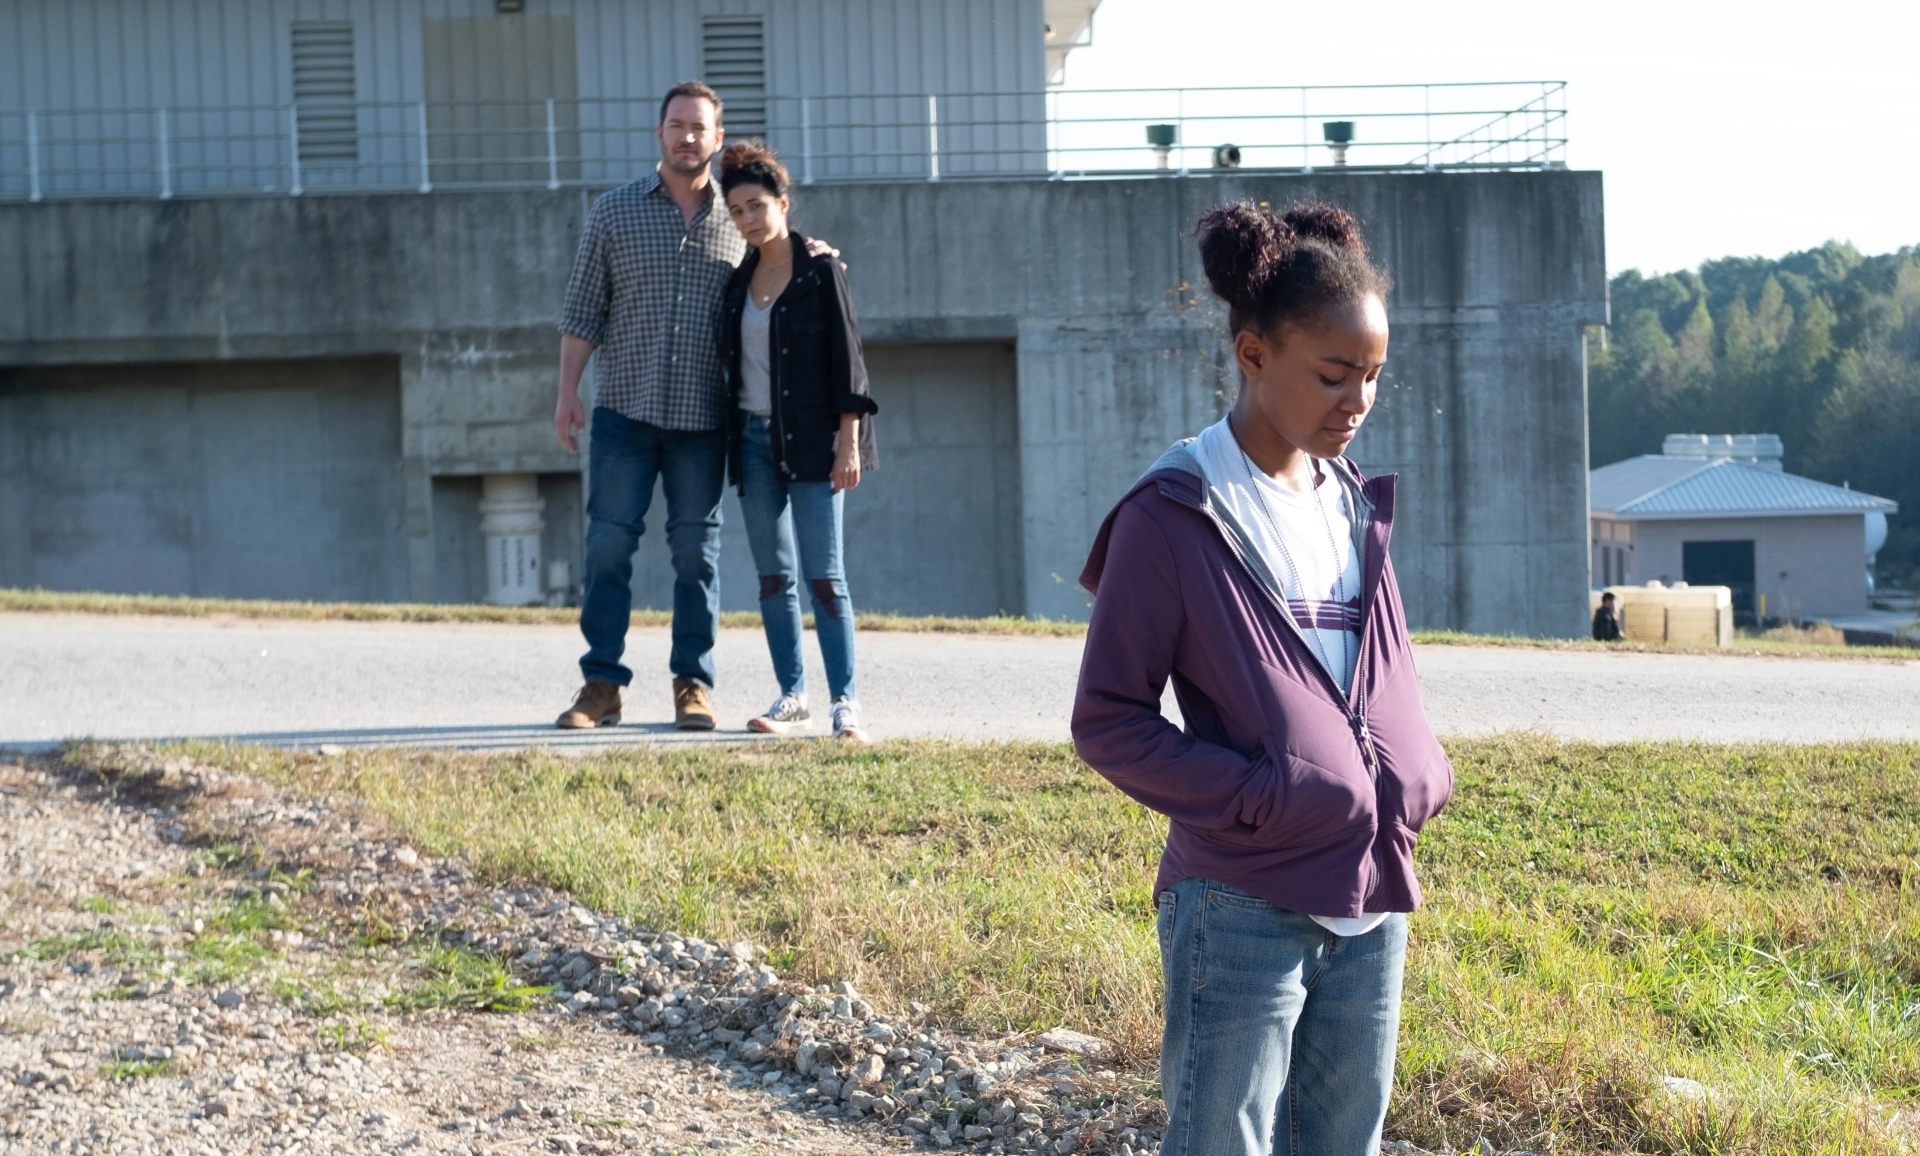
(536, 1041)
(320, 1000)
(374, 928)
(114, 945)
(351, 1034)
(232, 856)
(250, 917)
(97, 905)
(136, 1069)
(453, 977)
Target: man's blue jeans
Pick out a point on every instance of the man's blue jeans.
(778, 512)
(625, 457)
(1280, 1034)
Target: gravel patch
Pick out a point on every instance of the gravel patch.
(122, 1029)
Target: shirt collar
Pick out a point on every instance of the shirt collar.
(656, 186)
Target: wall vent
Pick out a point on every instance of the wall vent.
(733, 59)
(323, 90)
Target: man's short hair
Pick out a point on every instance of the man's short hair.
(690, 88)
(1604, 597)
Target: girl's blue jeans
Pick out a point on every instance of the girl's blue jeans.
(780, 515)
(1280, 1034)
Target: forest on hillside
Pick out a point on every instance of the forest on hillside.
(1821, 347)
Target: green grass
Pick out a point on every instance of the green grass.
(453, 977)
(115, 946)
(1598, 916)
(351, 1034)
(136, 1069)
(232, 945)
(536, 1041)
(318, 998)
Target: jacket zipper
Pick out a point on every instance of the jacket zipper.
(1351, 702)
(776, 425)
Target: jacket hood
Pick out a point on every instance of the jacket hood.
(1176, 474)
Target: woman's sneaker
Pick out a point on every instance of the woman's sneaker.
(787, 714)
(846, 721)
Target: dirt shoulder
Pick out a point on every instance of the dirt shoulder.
(230, 976)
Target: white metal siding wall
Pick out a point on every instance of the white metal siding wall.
(182, 54)
(1808, 567)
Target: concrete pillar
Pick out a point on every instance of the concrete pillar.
(510, 525)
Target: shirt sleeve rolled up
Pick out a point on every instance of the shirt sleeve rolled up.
(589, 297)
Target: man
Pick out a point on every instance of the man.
(653, 260)
(1606, 620)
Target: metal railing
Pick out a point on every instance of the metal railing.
(1060, 133)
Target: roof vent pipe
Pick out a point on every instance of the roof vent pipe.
(1338, 134)
(1161, 138)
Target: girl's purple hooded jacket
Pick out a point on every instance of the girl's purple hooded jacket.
(1280, 785)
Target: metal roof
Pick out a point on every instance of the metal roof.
(1656, 486)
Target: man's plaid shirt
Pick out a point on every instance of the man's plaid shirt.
(645, 289)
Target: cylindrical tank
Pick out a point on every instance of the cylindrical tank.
(1876, 538)
(510, 524)
(1876, 533)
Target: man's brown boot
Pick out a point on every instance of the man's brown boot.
(692, 706)
(597, 705)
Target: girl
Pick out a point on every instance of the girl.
(801, 431)
(1250, 566)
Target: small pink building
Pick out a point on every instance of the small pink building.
(1717, 510)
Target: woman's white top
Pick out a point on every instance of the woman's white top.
(1306, 541)
(756, 358)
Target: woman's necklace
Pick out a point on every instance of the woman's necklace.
(764, 300)
(1293, 570)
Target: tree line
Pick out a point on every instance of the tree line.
(1821, 347)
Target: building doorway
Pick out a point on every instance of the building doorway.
(1728, 564)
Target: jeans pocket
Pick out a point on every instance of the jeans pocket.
(1233, 897)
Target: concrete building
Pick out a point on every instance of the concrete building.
(1719, 511)
(203, 96)
(304, 397)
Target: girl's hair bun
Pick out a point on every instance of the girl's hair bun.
(752, 161)
(1276, 266)
(1241, 247)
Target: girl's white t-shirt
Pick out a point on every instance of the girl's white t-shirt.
(756, 358)
(1306, 541)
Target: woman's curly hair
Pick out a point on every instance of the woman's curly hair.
(1271, 268)
(752, 162)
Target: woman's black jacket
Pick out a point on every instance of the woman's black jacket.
(818, 373)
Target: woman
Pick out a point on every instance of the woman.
(1250, 566)
(801, 433)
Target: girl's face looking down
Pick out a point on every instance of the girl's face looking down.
(757, 212)
(1310, 385)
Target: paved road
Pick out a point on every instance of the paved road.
(482, 686)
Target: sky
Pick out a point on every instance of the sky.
(1723, 129)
